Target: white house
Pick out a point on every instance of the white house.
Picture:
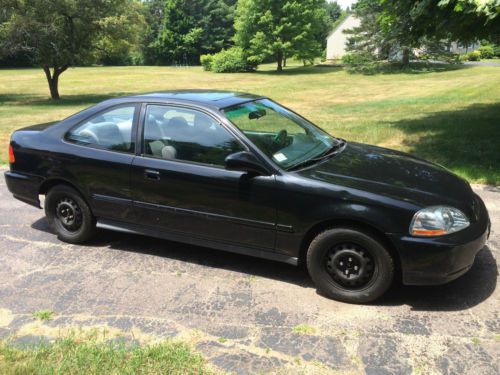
(337, 40)
(461, 48)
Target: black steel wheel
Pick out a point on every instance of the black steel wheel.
(69, 215)
(350, 265)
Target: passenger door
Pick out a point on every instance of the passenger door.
(180, 184)
(99, 153)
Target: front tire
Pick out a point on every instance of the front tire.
(350, 265)
(69, 215)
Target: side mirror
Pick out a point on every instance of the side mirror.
(245, 161)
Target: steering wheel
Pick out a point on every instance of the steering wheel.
(280, 138)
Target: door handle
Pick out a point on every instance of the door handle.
(151, 174)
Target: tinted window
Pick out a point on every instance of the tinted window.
(111, 130)
(185, 134)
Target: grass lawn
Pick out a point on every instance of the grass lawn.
(450, 116)
(69, 356)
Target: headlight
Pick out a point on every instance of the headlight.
(437, 221)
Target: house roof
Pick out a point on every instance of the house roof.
(348, 17)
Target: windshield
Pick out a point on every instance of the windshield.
(286, 138)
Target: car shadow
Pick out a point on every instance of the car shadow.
(467, 291)
(471, 289)
(193, 254)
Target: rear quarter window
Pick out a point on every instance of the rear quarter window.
(111, 130)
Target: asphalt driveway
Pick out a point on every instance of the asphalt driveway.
(245, 315)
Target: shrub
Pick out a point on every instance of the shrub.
(358, 58)
(137, 58)
(361, 62)
(496, 51)
(232, 60)
(472, 56)
(450, 58)
(206, 62)
(487, 52)
(425, 56)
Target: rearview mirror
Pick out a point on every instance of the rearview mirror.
(257, 114)
(245, 161)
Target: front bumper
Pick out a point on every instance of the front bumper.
(439, 260)
(24, 187)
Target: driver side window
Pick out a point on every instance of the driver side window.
(176, 133)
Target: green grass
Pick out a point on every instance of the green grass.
(43, 315)
(450, 115)
(304, 329)
(71, 356)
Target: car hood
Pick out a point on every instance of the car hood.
(394, 174)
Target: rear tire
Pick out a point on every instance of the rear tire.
(350, 265)
(69, 215)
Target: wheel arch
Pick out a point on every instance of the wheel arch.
(50, 183)
(349, 223)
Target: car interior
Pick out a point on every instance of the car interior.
(111, 130)
(186, 135)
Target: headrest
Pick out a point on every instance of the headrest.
(168, 152)
(178, 122)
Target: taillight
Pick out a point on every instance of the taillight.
(12, 158)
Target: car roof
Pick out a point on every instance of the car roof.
(213, 98)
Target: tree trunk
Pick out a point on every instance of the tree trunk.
(284, 61)
(406, 57)
(279, 60)
(53, 79)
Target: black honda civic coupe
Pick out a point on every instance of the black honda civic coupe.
(241, 173)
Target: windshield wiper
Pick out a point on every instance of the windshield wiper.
(302, 164)
(331, 151)
(341, 143)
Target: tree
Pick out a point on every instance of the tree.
(279, 29)
(218, 25)
(461, 20)
(154, 18)
(408, 24)
(179, 35)
(59, 33)
(119, 42)
(334, 11)
(367, 38)
(411, 22)
(180, 31)
(398, 28)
